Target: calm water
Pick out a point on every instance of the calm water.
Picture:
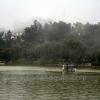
(48, 84)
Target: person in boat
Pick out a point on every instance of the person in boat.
(71, 67)
(64, 67)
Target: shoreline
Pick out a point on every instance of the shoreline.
(44, 69)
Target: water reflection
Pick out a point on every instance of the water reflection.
(32, 85)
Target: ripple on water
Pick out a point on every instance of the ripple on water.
(48, 85)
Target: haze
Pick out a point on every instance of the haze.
(17, 11)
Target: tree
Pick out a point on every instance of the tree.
(57, 31)
(1, 40)
(8, 39)
(74, 50)
(33, 33)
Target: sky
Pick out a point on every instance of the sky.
(13, 12)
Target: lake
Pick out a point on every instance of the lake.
(41, 83)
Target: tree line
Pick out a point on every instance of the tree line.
(52, 43)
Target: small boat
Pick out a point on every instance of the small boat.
(69, 67)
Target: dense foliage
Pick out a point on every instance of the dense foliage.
(52, 43)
